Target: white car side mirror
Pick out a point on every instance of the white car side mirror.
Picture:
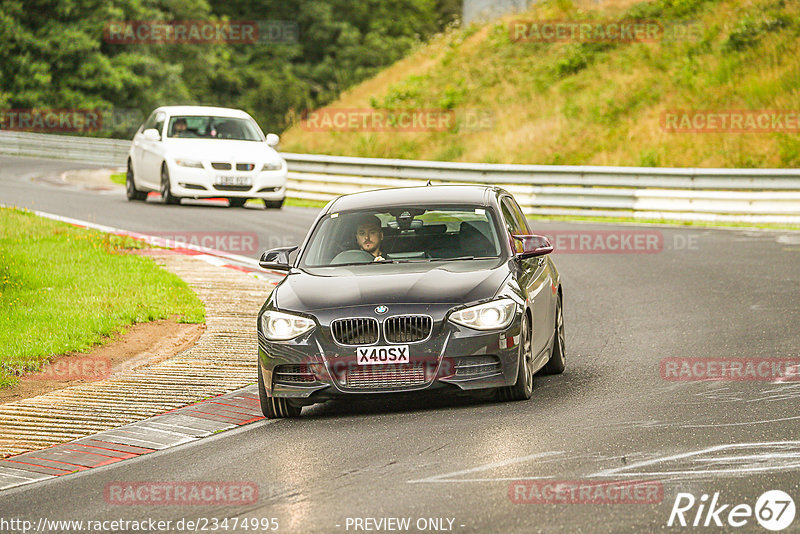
(151, 134)
(273, 140)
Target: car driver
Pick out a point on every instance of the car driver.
(369, 236)
(179, 128)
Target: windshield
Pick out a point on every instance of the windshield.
(207, 127)
(396, 235)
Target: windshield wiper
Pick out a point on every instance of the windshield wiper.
(351, 263)
(458, 258)
(421, 260)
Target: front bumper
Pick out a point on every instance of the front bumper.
(192, 182)
(314, 368)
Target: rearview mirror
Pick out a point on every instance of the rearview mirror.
(151, 134)
(273, 140)
(533, 245)
(276, 259)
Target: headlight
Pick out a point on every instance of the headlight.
(272, 166)
(189, 163)
(279, 326)
(494, 315)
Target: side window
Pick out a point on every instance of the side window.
(512, 223)
(149, 123)
(160, 118)
(519, 216)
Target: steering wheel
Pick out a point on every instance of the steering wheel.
(353, 256)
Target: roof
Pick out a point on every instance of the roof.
(410, 196)
(203, 110)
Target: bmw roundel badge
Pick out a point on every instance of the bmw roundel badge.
(380, 310)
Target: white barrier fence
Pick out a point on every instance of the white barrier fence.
(751, 195)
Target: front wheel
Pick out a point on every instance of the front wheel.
(558, 356)
(273, 407)
(274, 204)
(166, 188)
(523, 388)
(130, 186)
(236, 202)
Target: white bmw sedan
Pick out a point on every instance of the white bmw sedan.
(205, 152)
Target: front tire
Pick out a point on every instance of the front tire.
(274, 204)
(273, 407)
(558, 356)
(166, 188)
(236, 202)
(130, 186)
(523, 388)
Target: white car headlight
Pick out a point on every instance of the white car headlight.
(189, 163)
(272, 166)
(280, 326)
(494, 315)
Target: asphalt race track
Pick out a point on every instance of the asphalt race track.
(454, 464)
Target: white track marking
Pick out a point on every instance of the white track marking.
(631, 470)
(744, 423)
(486, 467)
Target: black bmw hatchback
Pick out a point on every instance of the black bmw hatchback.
(439, 288)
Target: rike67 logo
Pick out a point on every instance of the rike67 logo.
(774, 510)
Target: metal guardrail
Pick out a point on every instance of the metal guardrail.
(752, 195)
(111, 152)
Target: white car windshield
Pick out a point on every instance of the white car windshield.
(400, 235)
(209, 127)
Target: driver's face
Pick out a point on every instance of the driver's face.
(369, 237)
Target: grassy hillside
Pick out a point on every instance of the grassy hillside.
(591, 103)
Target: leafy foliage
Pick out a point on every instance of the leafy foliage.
(53, 54)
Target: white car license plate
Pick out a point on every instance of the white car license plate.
(382, 355)
(233, 180)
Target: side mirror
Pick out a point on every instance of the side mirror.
(151, 134)
(276, 259)
(533, 245)
(273, 140)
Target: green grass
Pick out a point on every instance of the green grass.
(304, 203)
(300, 202)
(65, 289)
(118, 178)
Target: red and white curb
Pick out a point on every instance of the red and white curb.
(173, 428)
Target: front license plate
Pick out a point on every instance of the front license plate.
(382, 355)
(233, 180)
